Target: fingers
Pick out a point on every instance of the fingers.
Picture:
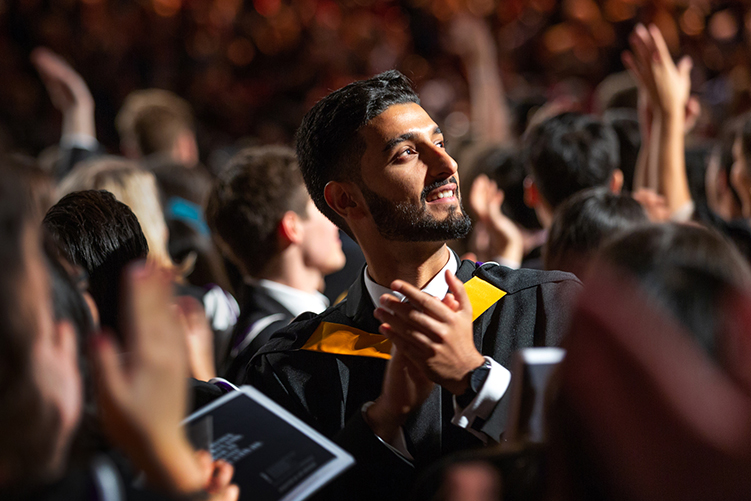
(109, 367)
(221, 476)
(456, 287)
(231, 493)
(401, 335)
(451, 302)
(148, 300)
(660, 47)
(407, 315)
(422, 301)
(205, 464)
(684, 66)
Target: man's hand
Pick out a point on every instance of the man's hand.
(199, 337)
(67, 90)
(142, 389)
(654, 205)
(405, 388)
(435, 335)
(505, 238)
(667, 85)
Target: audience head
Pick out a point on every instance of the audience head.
(136, 188)
(684, 268)
(38, 185)
(259, 209)
(625, 123)
(653, 368)
(503, 166)
(583, 223)
(720, 194)
(329, 147)
(155, 121)
(566, 154)
(101, 235)
(741, 172)
(40, 382)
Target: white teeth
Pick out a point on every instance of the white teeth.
(442, 194)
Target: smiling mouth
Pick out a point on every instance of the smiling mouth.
(441, 194)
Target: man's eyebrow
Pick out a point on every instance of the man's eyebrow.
(407, 136)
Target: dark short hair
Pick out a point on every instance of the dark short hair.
(249, 200)
(503, 165)
(568, 153)
(685, 268)
(101, 235)
(328, 145)
(625, 123)
(584, 222)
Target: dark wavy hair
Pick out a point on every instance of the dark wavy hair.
(328, 145)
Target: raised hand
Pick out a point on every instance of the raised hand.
(67, 90)
(436, 335)
(668, 85)
(199, 337)
(505, 239)
(142, 389)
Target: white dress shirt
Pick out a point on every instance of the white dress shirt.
(495, 384)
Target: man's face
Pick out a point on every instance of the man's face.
(322, 248)
(409, 182)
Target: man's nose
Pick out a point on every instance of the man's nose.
(440, 164)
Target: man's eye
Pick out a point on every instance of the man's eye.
(441, 144)
(405, 153)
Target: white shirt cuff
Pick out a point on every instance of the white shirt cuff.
(487, 398)
(683, 213)
(399, 445)
(78, 140)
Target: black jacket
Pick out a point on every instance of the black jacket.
(260, 317)
(328, 391)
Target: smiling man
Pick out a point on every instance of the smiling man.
(413, 363)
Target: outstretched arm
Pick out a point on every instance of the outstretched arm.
(71, 96)
(472, 40)
(669, 87)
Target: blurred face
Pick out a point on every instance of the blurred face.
(740, 178)
(409, 182)
(54, 354)
(321, 246)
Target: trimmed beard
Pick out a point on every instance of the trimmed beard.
(407, 222)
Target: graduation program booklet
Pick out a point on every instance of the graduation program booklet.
(276, 456)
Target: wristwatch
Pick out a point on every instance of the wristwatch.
(477, 378)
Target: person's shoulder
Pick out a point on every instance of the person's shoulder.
(514, 280)
(294, 335)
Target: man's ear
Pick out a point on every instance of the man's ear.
(531, 194)
(290, 230)
(344, 199)
(616, 181)
(185, 150)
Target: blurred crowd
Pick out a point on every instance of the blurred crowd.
(513, 264)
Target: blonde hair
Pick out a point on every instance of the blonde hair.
(136, 188)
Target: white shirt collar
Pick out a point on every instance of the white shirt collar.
(437, 287)
(295, 300)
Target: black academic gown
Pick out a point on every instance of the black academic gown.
(258, 309)
(328, 390)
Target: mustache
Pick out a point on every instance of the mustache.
(438, 184)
